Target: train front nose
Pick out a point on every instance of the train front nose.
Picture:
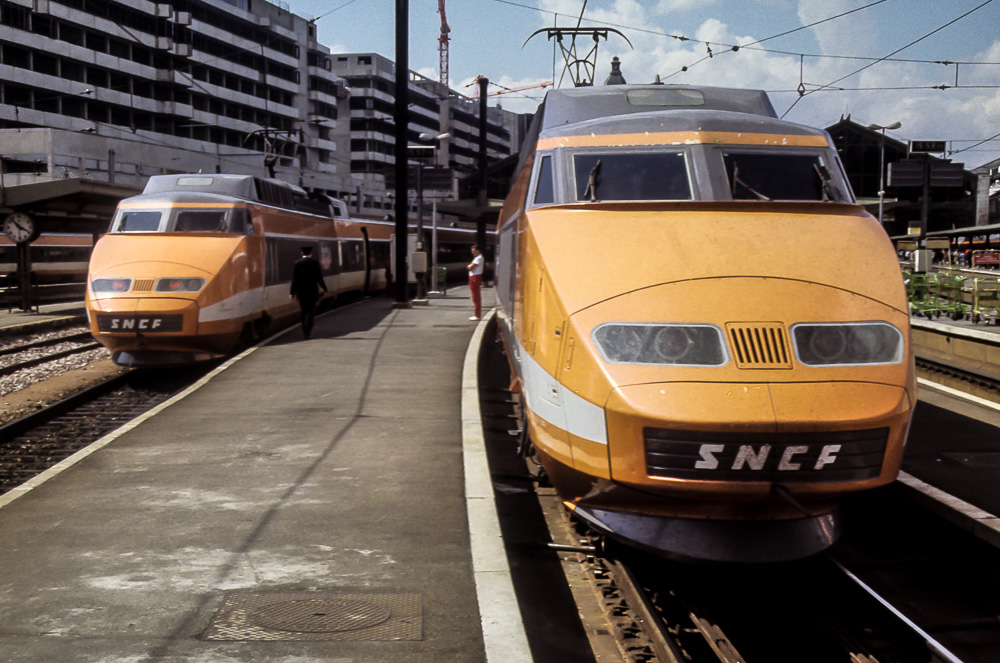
(728, 387)
(138, 316)
(742, 439)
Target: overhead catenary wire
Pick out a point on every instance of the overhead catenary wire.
(722, 47)
(902, 48)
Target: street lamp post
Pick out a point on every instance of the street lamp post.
(421, 284)
(881, 168)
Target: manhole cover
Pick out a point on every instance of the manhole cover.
(319, 616)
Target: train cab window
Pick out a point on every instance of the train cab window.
(771, 176)
(138, 222)
(544, 186)
(188, 221)
(631, 176)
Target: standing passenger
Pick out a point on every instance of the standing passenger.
(307, 280)
(476, 282)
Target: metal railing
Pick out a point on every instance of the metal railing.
(960, 294)
(11, 296)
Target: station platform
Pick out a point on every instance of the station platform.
(16, 321)
(953, 451)
(324, 499)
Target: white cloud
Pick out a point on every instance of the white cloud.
(667, 6)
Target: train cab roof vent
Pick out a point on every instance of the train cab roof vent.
(759, 345)
(274, 193)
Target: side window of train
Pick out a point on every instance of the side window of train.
(545, 190)
(240, 222)
(188, 221)
(775, 176)
(631, 176)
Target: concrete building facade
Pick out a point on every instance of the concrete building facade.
(118, 90)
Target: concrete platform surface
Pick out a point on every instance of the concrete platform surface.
(305, 502)
(47, 316)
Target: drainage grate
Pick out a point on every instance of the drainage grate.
(314, 616)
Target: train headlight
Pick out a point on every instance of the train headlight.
(179, 285)
(110, 285)
(663, 344)
(847, 343)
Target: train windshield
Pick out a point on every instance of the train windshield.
(181, 220)
(631, 176)
(762, 176)
(137, 222)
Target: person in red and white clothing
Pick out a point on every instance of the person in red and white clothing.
(476, 282)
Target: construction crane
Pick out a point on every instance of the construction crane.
(443, 45)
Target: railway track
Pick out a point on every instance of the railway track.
(901, 586)
(862, 603)
(32, 353)
(985, 386)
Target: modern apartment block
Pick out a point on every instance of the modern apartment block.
(118, 90)
(122, 90)
(434, 110)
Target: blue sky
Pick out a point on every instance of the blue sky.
(487, 38)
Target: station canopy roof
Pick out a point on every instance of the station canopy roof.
(72, 205)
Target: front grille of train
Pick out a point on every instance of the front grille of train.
(711, 456)
(143, 285)
(759, 344)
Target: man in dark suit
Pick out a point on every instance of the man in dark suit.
(307, 281)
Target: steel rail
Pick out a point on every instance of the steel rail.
(10, 369)
(43, 416)
(933, 645)
(979, 379)
(69, 338)
(645, 615)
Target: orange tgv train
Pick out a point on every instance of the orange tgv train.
(198, 264)
(710, 337)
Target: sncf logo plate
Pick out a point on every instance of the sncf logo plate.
(144, 324)
(827, 456)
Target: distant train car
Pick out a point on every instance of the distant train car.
(197, 264)
(55, 258)
(710, 338)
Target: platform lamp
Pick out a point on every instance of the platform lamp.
(436, 140)
(881, 169)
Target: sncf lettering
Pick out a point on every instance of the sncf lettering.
(708, 460)
(826, 456)
(759, 458)
(747, 456)
(786, 458)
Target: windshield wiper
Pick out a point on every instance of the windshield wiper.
(592, 180)
(824, 178)
(737, 180)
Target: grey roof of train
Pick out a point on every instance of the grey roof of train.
(575, 105)
(223, 184)
(684, 120)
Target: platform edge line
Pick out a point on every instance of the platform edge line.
(971, 398)
(504, 638)
(981, 524)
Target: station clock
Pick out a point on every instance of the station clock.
(20, 227)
